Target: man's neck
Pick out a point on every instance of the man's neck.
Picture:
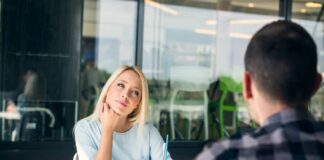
(268, 107)
(265, 106)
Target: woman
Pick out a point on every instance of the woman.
(34, 92)
(117, 129)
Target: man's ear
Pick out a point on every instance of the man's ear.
(317, 83)
(247, 86)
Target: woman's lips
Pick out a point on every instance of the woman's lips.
(122, 103)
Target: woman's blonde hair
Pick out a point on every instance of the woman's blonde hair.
(35, 88)
(138, 116)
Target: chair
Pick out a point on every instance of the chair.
(32, 123)
(193, 79)
(75, 156)
(228, 86)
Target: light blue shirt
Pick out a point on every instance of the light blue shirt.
(126, 146)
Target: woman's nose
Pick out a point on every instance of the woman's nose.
(125, 96)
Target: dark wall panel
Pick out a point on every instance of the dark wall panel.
(45, 36)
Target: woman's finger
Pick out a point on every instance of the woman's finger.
(102, 107)
(106, 107)
(115, 113)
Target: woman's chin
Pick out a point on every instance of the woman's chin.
(119, 111)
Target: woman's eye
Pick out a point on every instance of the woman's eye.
(120, 85)
(135, 93)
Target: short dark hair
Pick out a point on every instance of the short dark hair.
(282, 60)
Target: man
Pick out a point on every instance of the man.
(92, 80)
(279, 79)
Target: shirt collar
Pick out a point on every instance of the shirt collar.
(290, 114)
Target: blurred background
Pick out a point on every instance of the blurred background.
(55, 57)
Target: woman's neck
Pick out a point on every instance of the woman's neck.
(123, 125)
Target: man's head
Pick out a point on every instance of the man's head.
(280, 62)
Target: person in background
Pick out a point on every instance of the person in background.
(92, 80)
(117, 128)
(13, 99)
(279, 80)
(33, 94)
(35, 91)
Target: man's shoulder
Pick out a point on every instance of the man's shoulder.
(224, 149)
(233, 146)
(264, 140)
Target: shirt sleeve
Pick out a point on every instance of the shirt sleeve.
(86, 148)
(157, 145)
(206, 154)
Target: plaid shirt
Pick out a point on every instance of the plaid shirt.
(290, 134)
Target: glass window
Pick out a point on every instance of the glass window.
(192, 47)
(39, 70)
(309, 14)
(108, 41)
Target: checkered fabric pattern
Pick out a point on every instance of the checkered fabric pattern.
(290, 134)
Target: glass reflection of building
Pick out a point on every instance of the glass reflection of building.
(59, 39)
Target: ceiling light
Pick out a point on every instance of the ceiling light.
(211, 22)
(231, 34)
(313, 5)
(252, 21)
(303, 10)
(161, 7)
(240, 35)
(205, 31)
(251, 5)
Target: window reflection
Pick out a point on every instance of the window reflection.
(309, 14)
(30, 115)
(39, 70)
(109, 28)
(108, 42)
(38, 120)
(211, 35)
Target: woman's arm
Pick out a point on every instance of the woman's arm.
(157, 145)
(105, 146)
(84, 140)
(109, 120)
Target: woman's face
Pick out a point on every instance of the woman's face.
(125, 93)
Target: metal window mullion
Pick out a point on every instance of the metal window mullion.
(285, 9)
(139, 33)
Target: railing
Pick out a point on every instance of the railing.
(58, 119)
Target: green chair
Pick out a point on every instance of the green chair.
(227, 86)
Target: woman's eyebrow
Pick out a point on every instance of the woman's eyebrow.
(137, 88)
(122, 80)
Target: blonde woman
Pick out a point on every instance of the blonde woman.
(117, 128)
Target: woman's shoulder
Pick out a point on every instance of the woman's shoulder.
(86, 131)
(149, 127)
(85, 124)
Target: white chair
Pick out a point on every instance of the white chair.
(32, 123)
(75, 156)
(189, 79)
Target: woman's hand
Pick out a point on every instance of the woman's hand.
(108, 118)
